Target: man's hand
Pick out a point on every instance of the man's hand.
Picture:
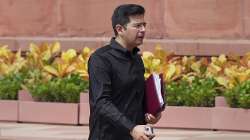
(152, 119)
(138, 133)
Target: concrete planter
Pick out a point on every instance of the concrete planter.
(220, 117)
(47, 112)
(186, 117)
(225, 118)
(8, 110)
(220, 101)
(84, 109)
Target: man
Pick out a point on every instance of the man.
(116, 75)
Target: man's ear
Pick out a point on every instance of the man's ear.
(119, 28)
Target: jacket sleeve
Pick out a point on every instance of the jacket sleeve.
(101, 94)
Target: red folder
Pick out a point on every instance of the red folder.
(153, 105)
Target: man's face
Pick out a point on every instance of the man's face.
(134, 31)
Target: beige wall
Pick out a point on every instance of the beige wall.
(199, 27)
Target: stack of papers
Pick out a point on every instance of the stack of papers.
(158, 87)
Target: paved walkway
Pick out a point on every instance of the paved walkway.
(26, 131)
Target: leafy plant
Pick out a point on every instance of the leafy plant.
(40, 55)
(200, 92)
(156, 61)
(10, 62)
(176, 92)
(66, 89)
(10, 85)
(63, 66)
(239, 96)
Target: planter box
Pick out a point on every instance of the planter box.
(225, 118)
(186, 117)
(220, 101)
(8, 110)
(220, 117)
(48, 112)
(84, 109)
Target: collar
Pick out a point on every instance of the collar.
(115, 45)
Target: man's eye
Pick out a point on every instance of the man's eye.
(140, 25)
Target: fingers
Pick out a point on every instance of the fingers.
(144, 137)
(148, 118)
(151, 118)
(151, 136)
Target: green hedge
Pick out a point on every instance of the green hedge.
(200, 92)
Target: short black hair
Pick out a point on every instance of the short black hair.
(121, 14)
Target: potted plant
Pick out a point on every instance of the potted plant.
(239, 96)
(235, 117)
(227, 71)
(189, 103)
(11, 78)
(185, 78)
(55, 101)
(55, 86)
(9, 87)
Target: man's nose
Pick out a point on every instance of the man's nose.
(143, 28)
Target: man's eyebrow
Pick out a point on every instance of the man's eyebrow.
(140, 23)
